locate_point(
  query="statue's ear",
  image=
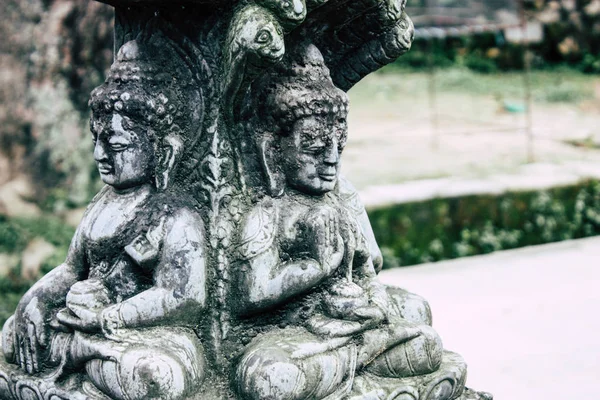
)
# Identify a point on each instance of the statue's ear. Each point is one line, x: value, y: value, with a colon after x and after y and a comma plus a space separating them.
x: 171, y: 148
x: 268, y: 155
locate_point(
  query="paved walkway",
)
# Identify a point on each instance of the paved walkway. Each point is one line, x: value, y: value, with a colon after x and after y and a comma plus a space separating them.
x: 526, y: 321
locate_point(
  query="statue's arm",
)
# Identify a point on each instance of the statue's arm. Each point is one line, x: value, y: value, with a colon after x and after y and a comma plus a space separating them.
x: 267, y: 278
x: 264, y: 281
x: 37, y: 308
x: 179, y: 290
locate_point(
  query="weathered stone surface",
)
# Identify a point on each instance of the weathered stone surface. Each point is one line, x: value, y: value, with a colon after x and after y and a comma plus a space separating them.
x: 226, y: 257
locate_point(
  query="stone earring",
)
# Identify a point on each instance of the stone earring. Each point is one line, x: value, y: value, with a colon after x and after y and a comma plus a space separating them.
x: 274, y: 178
x: 172, y: 146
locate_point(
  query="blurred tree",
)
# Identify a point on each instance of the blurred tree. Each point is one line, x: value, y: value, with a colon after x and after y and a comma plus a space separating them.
x: 572, y: 31
x: 53, y: 53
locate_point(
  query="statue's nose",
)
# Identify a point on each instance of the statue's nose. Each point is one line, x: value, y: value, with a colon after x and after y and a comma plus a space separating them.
x: 332, y: 156
x: 100, y: 152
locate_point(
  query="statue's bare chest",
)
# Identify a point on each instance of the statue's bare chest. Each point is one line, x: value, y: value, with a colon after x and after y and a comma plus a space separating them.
x: 112, y: 223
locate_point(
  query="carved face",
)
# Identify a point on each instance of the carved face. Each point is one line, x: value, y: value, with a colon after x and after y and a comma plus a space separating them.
x: 290, y: 13
x: 268, y: 46
x: 394, y: 9
x: 122, y: 150
x: 311, y: 153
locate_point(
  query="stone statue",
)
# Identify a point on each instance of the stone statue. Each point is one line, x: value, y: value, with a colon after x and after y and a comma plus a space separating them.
x: 305, y: 252
x: 226, y: 257
x: 121, y: 308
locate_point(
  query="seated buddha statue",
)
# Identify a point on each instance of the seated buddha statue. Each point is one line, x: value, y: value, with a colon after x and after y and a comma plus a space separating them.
x: 306, y: 281
x: 122, y: 308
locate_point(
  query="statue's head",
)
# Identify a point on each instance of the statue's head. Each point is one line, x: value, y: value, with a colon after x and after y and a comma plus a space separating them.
x: 301, y: 126
x: 145, y: 113
x: 256, y: 34
x: 290, y: 13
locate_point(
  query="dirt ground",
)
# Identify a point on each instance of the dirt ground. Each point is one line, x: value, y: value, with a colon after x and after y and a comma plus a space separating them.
x: 392, y: 137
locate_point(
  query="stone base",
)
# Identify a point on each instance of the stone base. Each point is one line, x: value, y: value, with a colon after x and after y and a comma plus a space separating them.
x: 17, y: 385
x: 470, y: 394
x: 453, y: 371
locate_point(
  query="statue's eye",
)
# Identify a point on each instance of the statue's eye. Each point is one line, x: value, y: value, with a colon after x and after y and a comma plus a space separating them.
x: 118, y: 145
x: 263, y: 36
x: 128, y: 124
x: 286, y: 5
x: 315, y: 150
x: 316, y: 147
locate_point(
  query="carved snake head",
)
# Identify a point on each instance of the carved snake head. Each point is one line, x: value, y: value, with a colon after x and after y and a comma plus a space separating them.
x: 257, y: 37
x: 290, y: 13
x: 267, y: 45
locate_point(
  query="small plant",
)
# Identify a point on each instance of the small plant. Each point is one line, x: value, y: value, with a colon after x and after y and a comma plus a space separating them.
x: 458, y: 227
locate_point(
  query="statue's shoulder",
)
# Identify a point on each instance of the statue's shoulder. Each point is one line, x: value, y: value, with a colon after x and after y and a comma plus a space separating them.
x: 348, y: 195
x: 186, y: 215
x: 93, y: 207
x: 170, y: 222
x: 259, y: 228
x: 175, y: 213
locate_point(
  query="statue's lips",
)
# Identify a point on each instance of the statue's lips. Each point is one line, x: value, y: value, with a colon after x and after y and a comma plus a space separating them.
x: 275, y: 54
x: 294, y: 19
x: 328, y: 177
x: 105, y: 169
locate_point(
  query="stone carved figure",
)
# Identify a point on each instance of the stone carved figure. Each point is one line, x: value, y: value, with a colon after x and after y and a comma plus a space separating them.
x: 228, y: 258
x: 255, y: 43
x: 290, y: 13
x: 122, y: 307
x: 357, y: 38
x: 307, y: 259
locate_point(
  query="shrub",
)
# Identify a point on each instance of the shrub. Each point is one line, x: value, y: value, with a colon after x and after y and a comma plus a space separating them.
x: 448, y: 228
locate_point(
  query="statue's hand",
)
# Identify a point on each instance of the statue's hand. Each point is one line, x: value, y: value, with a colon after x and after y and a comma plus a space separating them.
x: 370, y: 315
x: 323, y: 224
x: 85, y: 300
x: 85, y: 320
x: 90, y: 294
x: 31, y: 335
x: 326, y: 326
x: 363, y: 319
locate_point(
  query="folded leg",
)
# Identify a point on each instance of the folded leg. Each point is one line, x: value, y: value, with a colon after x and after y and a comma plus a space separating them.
x: 157, y: 363
x: 293, y: 364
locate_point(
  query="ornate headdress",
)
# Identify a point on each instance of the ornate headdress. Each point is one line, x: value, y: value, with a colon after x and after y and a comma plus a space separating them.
x: 151, y: 78
x: 300, y: 86
x: 156, y: 80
